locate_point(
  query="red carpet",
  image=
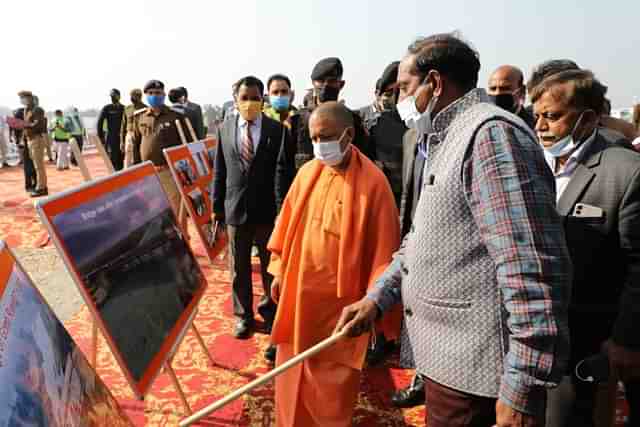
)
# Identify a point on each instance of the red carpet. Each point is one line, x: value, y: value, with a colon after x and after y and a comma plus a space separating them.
x: 236, y: 362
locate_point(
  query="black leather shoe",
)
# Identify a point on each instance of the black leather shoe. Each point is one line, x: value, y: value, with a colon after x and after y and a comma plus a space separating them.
x: 267, y: 309
x: 270, y: 353
x: 40, y: 193
x: 411, y: 396
x: 244, y: 328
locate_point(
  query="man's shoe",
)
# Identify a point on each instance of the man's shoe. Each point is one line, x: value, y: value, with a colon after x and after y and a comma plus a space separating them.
x: 411, y: 396
x: 270, y: 353
x: 244, y: 328
x: 40, y: 193
x: 266, y: 309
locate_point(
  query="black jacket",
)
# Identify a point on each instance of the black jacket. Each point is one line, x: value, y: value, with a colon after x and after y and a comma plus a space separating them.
x: 113, y: 114
x: 247, y: 196
x: 605, y: 250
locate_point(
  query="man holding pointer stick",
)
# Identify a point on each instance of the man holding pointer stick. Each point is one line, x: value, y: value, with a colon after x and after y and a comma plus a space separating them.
x: 335, y: 234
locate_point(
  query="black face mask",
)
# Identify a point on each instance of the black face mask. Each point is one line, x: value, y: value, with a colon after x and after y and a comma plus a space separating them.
x: 506, y: 101
x: 115, y: 99
x: 328, y: 93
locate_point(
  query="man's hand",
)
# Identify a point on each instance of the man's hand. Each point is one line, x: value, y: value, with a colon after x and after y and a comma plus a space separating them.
x: 506, y: 416
x: 624, y: 363
x: 275, y: 290
x: 357, y: 318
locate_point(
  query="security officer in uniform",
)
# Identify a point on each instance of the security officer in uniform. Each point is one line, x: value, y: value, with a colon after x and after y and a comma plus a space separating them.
x: 113, y: 115
x: 128, y: 146
x: 386, y: 129
x: 154, y: 130
x: 35, y: 129
x: 327, y: 84
x: 27, y: 163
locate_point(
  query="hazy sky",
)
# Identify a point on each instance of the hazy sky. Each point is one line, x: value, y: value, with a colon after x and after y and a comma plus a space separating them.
x: 74, y: 51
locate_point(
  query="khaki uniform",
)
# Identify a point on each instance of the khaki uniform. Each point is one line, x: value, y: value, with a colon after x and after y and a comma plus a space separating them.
x: 36, y: 142
x: 154, y: 133
x: 128, y: 146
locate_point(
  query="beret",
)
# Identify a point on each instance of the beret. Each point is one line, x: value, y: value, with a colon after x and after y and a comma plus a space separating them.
x: 153, y: 84
x: 114, y: 92
x: 135, y: 92
x: 327, y: 67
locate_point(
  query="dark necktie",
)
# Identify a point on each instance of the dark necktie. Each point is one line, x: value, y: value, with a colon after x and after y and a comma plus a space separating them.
x: 247, y: 147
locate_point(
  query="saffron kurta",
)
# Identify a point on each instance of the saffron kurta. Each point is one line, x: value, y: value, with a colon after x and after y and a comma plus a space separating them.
x: 336, y: 233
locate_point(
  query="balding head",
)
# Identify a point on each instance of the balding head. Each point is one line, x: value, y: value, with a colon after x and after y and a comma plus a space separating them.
x: 506, y: 79
x: 332, y: 121
x: 335, y: 113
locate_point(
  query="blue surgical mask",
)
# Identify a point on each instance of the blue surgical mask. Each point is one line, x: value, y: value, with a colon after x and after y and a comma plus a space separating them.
x: 279, y: 103
x: 566, y: 145
x: 155, y: 101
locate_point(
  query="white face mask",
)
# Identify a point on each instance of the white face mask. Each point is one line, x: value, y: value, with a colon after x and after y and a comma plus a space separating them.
x: 329, y: 152
x: 421, y: 122
x: 565, y: 146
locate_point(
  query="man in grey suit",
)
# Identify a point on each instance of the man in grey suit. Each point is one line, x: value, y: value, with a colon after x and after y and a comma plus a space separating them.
x: 484, y: 274
x: 598, y: 189
x: 244, y: 197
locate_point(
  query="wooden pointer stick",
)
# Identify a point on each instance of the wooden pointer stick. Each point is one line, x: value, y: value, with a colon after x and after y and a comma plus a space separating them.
x: 263, y: 379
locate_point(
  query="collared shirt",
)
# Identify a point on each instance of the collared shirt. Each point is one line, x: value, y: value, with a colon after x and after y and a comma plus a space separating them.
x: 36, y: 116
x: 256, y: 130
x: 564, y: 174
x: 157, y: 132
x: 509, y: 189
x: 274, y: 114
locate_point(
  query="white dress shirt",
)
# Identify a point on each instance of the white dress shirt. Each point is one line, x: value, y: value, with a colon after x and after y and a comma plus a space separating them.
x: 563, y: 174
x: 256, y: 129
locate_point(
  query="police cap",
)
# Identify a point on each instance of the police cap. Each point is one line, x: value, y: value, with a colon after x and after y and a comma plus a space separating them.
x: 135, y: 92
x: 25, y: 94
x: 328, y: 67
x: 153, y: 84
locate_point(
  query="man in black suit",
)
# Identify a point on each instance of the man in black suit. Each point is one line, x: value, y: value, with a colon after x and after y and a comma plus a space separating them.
x: 244, y: 196
x: 598, y: 190
x: 196, y: 111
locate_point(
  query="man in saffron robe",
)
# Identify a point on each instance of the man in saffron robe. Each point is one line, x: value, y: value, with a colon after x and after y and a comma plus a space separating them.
x: 336, y: 233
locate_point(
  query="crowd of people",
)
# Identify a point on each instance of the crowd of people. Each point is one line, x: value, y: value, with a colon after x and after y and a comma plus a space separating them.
x: 497, y: 242
x: 47, y: 137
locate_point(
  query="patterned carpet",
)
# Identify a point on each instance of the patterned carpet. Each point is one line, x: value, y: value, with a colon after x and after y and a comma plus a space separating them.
x: 236, y: 362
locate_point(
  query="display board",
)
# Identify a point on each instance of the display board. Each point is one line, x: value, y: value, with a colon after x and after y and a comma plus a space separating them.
x: 192, y: 167
x: 46, y: 380
x: 119, y: 239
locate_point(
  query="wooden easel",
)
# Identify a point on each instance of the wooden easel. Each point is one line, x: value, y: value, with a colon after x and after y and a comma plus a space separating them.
x: 45, y: 238
x: 182, y: 212
x: 169, y: 369
x: 103, y: 153
x: 167, y: 365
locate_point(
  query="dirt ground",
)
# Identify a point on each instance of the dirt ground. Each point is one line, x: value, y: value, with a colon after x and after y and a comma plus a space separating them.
x: 52, y: 279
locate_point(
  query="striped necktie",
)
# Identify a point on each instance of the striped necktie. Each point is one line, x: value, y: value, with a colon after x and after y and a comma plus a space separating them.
x: 247, y: 147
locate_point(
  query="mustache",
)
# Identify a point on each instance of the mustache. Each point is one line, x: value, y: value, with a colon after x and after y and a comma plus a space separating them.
x: 543, y: 135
